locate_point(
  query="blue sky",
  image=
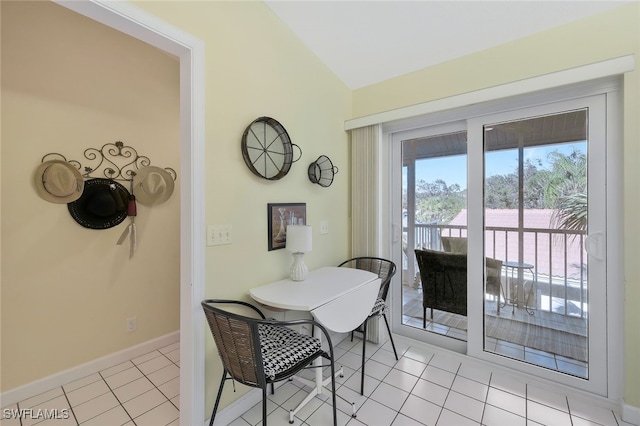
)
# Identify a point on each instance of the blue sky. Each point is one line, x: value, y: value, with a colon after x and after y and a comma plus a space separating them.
x: 453, y: 169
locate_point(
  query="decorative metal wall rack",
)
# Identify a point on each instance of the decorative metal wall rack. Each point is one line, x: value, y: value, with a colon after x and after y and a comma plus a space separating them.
x: 114, y: 161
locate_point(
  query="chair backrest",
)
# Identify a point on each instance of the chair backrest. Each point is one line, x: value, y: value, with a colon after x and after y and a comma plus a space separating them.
x: 237, y: 339
x: 444, y: 280
x: 494, y: 272
x: 385, y: 269
x: 456, y: 264
x: 454, y: 244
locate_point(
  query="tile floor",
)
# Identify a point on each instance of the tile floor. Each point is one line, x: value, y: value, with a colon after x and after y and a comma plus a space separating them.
x: 143, y: 391
x: 413, y: 316
x: 425, y: 387
x: 429, y: 387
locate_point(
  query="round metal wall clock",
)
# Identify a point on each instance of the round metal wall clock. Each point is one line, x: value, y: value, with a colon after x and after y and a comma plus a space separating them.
x: 267, y: 149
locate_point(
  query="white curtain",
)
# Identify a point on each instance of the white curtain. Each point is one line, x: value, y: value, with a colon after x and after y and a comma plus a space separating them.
x: 365, y: 191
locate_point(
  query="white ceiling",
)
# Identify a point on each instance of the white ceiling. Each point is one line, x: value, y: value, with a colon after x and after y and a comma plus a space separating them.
x: 365, y: 42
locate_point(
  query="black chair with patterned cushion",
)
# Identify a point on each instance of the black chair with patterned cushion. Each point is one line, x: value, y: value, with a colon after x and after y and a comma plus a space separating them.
x: 256, y: 351
x: 385, y: 269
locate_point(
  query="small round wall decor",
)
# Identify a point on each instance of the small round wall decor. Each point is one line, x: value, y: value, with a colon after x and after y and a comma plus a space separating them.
x: 267, y: 149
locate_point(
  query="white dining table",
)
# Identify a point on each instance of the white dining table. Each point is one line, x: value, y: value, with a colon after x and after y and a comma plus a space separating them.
x: 338, y: 298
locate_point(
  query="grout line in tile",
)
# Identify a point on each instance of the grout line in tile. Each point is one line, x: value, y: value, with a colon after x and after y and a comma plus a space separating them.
x: 70, y: 406
x: 154, y: 387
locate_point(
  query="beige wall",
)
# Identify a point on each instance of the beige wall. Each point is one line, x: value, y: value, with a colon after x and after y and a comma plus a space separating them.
x: 69, y: 84
x: 605, y: 36
x: 255, y: 66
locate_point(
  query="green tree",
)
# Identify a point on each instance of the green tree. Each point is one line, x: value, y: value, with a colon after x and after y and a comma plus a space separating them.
x: 500, y: 193
x: 561, y: 186
x: 567, y: 190
x: 437, y: 202
x: 543, y: 188
x: 566, y: 177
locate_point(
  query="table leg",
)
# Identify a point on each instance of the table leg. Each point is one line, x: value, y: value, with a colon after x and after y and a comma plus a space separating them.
x: 318, y: 384
x: 531, y: 291
x: 514, y: 288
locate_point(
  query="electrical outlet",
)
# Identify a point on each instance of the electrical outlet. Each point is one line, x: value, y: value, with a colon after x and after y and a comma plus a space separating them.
x: 218, y: 235
x: 132, y: 324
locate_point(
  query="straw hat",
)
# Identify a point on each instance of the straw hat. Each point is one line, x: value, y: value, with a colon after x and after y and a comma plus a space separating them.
x: 103, y: 204
x: 152, y: 185
x: 58, y: 182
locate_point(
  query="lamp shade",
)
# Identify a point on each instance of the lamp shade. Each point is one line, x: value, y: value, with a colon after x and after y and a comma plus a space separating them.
x: 299, y: 238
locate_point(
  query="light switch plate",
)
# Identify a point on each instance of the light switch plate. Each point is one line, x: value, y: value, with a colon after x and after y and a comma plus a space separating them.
x: 218, y: 235
x: 324, y: 227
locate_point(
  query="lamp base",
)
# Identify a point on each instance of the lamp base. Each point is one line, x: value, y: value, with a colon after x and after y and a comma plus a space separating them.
x: 299, y: 270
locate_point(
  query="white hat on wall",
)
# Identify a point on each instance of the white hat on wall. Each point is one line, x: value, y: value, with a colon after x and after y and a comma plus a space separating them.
x: 58, y: 182
x: 152, y: 185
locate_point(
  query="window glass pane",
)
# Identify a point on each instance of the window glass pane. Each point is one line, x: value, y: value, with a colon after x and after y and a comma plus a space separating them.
x: 434, y: 210
x: 535, y: 199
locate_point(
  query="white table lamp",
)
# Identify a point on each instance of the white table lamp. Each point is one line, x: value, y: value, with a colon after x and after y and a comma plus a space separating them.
x: 298, y: 242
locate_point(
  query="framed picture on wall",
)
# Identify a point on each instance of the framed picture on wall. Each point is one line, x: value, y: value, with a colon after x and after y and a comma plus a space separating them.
x: 279, y: 216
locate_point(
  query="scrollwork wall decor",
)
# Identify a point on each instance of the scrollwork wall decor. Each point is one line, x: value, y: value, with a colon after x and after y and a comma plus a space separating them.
x: 115, y: 161
x: 94, y: 197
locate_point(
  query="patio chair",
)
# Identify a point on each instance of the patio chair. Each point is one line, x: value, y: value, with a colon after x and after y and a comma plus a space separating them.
x: 256, y: 351
x: 494, y: 266
x: 493, y: 283
x: 385, y: 269
x: 454, y: 244
x: 444, y: 281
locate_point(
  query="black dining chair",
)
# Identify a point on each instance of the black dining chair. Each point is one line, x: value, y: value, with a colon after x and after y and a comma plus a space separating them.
x: 385, y: 269
x: 256, y: 351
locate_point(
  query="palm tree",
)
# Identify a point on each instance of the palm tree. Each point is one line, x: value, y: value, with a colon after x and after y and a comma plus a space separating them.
x: 566, y: 187
x: 567, y: 176
x: 572, y: 212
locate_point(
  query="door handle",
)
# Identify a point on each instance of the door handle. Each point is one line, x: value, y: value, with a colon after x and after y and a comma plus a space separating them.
x: 594, y: 245
x: 395, y: 233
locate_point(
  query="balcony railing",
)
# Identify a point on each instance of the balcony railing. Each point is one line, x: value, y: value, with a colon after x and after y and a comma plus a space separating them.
x: 558, y: 259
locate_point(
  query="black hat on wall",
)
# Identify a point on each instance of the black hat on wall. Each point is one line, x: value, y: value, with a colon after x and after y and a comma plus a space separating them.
x: 102, y: 205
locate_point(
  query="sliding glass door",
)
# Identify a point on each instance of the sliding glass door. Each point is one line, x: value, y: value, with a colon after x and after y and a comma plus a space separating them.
x: 543, y: 186
x: 501, y: 215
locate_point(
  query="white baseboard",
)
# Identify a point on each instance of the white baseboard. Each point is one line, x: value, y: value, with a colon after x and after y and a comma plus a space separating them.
x: 50, y: 382
x: 630, y: 414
